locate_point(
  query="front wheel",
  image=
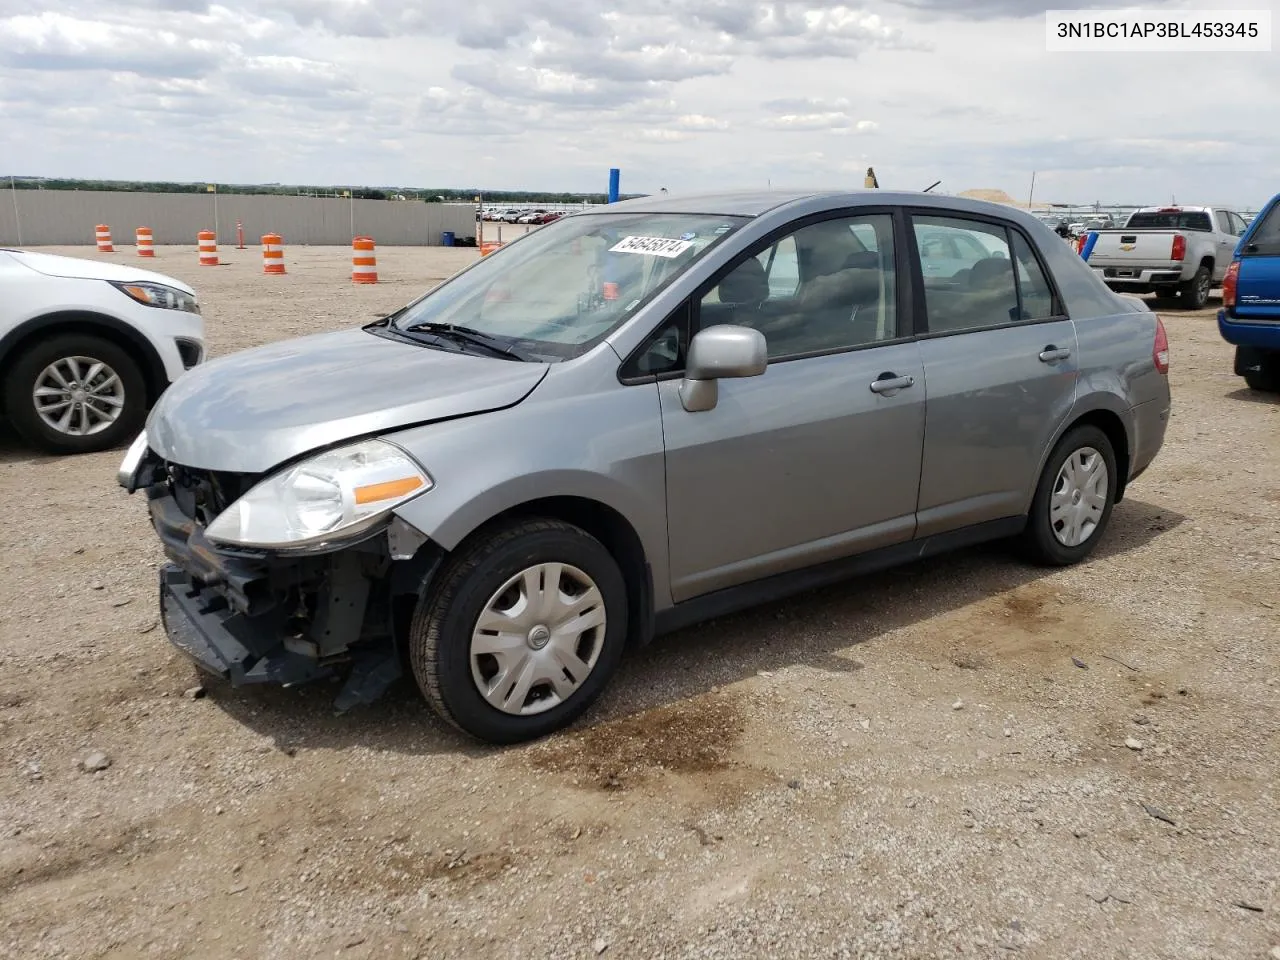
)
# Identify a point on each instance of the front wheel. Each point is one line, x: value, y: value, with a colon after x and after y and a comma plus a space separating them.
x: 1073, y: 499
x: 75, y: 393
x: 521, y: 632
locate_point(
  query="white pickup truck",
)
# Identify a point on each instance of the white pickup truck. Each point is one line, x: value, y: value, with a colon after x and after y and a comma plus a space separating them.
x: 1168, y: 251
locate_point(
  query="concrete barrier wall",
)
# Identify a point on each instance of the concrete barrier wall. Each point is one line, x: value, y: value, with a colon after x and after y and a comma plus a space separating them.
x: 65, y: 217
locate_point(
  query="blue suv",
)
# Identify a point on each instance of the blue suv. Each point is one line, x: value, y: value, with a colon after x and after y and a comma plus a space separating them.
x: 1250, y: 314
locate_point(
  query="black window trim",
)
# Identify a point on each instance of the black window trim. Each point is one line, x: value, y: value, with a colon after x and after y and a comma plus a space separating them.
x: 903, y: 293
x: 922, y: 319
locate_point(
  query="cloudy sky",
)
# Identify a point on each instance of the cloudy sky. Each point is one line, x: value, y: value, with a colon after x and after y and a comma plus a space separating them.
x: 686, y: 94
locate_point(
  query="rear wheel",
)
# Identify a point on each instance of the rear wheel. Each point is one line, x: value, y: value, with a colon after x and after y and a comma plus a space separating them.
x: 1073, y: 500
x: 521, y: 632
x: 1195, y: 292
x: 75, y: 393
x: 1265, y: 380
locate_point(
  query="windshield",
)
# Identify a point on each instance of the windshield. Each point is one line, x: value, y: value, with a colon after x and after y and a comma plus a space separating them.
x: 1170, y: 220
x: 557, y: 291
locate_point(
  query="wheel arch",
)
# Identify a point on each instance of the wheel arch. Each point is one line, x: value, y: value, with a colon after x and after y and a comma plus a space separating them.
x: 109, y: 328
x: 1113, y: 425
x: 605, y: 523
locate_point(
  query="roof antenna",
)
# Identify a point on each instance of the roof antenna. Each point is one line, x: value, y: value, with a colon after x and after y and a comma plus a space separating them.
x: 931, y: 186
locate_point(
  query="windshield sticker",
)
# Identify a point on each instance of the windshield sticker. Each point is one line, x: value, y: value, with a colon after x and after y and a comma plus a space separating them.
x: 722, y: 229
x: 688, y: 236
x: 652, y: 246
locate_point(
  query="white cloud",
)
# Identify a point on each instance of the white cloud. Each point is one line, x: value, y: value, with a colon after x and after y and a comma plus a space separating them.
x: 689, y: 95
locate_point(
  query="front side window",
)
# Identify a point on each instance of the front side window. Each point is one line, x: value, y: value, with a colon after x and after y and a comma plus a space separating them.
x: 825, y: 286
x: 558, y: 291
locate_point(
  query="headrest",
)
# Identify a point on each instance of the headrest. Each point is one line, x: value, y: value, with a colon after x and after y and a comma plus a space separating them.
x: 747, y: 284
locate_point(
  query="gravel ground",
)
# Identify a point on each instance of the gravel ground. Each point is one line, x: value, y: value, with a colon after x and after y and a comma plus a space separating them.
x: 909, y: 765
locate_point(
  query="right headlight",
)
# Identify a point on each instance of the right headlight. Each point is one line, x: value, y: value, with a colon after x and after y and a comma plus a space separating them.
x: 158, y: 295
x: 328, y: 498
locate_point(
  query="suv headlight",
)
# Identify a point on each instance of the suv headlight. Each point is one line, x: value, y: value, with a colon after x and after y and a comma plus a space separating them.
x: 159, y: 295
x: 332, y: 497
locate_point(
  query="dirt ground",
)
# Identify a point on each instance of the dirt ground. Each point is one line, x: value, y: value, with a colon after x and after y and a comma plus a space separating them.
x: 908, y: 765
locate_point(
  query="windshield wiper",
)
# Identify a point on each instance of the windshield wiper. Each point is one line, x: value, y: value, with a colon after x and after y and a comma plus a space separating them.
x: 467, y: 335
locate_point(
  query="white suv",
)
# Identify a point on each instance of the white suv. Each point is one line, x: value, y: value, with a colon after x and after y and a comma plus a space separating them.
x: 87, y: 347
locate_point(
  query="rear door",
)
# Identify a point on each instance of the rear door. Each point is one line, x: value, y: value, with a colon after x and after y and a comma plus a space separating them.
x: 1258, y: 288
x: 1000, y: 368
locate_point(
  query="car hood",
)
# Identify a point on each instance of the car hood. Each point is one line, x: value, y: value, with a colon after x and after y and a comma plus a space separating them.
x: 249, y: 411
x: 74, y: 268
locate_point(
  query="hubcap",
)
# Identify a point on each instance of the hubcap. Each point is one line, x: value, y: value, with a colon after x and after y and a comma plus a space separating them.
x: 1079, y: 497
x: 78, y: 396
x: 538, y: 639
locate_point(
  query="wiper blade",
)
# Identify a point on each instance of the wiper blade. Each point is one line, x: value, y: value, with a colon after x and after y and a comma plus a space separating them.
x: 474, y: 338
x: 433, y: 326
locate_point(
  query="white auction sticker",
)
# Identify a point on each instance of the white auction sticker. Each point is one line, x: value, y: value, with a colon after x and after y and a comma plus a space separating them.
x: 654, y: 246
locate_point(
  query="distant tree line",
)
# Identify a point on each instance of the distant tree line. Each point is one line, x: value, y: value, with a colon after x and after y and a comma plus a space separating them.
x: 423, y: 194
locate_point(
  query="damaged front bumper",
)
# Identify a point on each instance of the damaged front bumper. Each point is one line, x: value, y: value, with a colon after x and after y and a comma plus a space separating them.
x: 255, y: 617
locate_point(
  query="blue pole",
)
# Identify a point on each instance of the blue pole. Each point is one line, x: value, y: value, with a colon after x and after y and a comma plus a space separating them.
x: 1089, y: 242
x: 614, y: 176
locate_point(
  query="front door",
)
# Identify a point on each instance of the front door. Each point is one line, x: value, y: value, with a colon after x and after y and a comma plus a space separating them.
x: 808, y: 462
x: 1001, y: 365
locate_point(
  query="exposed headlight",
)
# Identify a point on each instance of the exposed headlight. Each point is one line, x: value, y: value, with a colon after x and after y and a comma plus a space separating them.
x: 331, y: 497
x: 127, y: 475
x: 158, y: 295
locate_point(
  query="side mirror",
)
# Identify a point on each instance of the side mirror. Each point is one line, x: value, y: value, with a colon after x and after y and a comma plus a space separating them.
x: 716, y: 353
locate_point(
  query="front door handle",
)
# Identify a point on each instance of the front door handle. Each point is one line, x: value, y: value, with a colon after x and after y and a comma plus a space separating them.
x: 1052, y: 354
x: 891, y: 383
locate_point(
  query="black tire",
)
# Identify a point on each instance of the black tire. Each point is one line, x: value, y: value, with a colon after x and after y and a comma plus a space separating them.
x: 1039, y: 543
x: 1194, y: 294
x: 1266, y: 380
x: 21, y: 379
x: 440, y: 634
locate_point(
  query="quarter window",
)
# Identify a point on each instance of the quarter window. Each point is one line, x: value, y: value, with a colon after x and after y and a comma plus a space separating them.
x: 1037, y: 295
x: 827, y: 286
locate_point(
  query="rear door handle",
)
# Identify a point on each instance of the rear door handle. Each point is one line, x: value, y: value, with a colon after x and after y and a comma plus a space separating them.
x: 1052, y: 354
x: 889, y: 383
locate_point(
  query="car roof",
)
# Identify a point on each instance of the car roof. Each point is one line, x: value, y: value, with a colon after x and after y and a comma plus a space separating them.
x: 754, y: 203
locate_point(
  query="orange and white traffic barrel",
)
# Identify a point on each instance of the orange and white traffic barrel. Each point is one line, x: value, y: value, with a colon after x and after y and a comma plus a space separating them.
x: 145, y: 241
x: 489, y: 246
x: 208, y: 241
x: 103, y: 233
x: 272, y: 253
x: 364, y: 264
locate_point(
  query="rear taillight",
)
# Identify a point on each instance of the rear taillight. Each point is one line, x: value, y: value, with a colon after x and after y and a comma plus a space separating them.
x: 1229, y: 283
x: 1179, y: 247
x: 1160, y: 349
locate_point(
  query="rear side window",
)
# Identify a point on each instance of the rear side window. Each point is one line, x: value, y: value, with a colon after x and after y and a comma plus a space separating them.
x: 1171, y: 220
x: 1265, y: 241
x: 968, y: 274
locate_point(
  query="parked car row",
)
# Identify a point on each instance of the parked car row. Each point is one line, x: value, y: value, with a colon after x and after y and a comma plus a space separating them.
x: 536, y: 217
